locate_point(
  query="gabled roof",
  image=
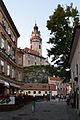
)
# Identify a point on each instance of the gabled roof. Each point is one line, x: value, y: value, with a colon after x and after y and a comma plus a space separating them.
x: 55, y: 78
x: 33, y: 52
x: 9, y: 17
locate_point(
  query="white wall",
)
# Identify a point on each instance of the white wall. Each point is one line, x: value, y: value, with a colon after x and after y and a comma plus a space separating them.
x: 74, y: 62
x: 37, y: 93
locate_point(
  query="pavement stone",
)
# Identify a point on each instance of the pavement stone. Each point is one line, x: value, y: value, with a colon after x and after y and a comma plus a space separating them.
x: 53, y: 110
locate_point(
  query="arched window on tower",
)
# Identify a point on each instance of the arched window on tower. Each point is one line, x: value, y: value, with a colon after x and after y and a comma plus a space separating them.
x: 31, y: 46
x: 39, y: 46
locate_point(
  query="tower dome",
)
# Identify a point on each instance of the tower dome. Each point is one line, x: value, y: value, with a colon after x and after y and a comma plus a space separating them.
x: 35, y: 28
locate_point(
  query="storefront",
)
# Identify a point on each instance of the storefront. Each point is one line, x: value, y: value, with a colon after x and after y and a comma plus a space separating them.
x: 14, y: 88
x: 4, y: 88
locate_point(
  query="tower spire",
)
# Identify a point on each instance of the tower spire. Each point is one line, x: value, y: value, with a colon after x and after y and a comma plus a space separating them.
x: 35, y: 23
x: 36, y: 41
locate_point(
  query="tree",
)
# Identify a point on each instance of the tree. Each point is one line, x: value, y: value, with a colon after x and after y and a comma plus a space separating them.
x: 61, y: 24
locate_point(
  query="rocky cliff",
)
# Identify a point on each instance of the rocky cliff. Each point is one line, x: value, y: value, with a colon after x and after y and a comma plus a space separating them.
x: 36, y: 74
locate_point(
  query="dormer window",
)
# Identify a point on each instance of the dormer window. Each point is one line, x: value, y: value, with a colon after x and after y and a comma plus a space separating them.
x: 3, y: 22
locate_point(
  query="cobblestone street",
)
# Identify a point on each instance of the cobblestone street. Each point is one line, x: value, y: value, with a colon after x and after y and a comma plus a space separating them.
x: 44, y: 111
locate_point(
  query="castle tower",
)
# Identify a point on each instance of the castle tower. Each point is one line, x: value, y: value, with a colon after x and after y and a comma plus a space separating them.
x: 36, y: 41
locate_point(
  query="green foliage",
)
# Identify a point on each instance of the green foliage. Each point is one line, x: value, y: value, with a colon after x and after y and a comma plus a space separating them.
x: 61, y: 24
x: 38, y: 72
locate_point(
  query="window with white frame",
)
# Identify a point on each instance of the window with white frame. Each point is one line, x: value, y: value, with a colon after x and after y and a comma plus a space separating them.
x: 8, y: 70
x: 35, y: 57
x: 2, y: 66
x: 28, y: 61
x: 20, y: 60
x: 77, y: 70
x: 13, y: 37
x: 13, y: 73
x: 13, y: 53
x: 9, y: 30
x: 40, y: 59
x: 3, y: 21
x: 2, y: 42
x: 9, y: 48
x: 19, y: 75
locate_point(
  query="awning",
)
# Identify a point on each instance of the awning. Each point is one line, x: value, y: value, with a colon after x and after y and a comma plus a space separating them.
x: 9, y: 84
x: 4, y: 83
x: 14, y: 85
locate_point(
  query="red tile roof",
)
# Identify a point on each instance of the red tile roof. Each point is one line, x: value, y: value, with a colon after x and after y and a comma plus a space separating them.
x: 34, y: 52
x: 38, y: 86
x: 55, y: 78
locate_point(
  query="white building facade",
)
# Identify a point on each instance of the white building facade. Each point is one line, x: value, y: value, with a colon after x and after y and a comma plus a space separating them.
x: 75, y: 67
x: 33, y: 55
x: 39, y: 89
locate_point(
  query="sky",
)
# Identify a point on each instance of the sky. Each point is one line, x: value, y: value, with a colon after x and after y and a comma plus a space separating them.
x: 24, y: 13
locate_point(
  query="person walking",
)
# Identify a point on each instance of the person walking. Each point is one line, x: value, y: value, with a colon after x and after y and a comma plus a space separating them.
x: 33, y: 104
x: 72, y: 100
x: 68, y: 99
